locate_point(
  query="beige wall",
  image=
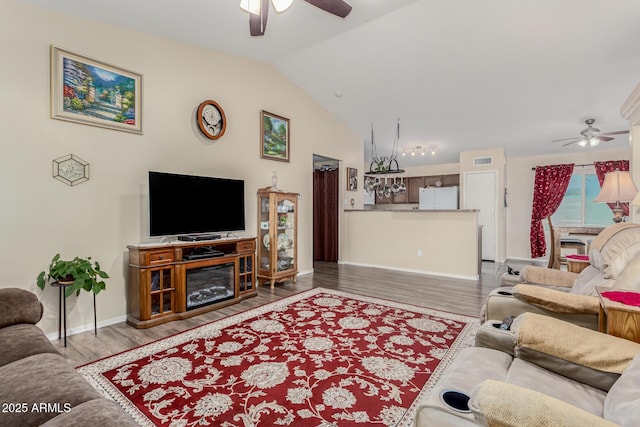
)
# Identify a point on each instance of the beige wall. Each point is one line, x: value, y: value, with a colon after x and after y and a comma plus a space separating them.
x: 41, y: 216
x: 440, y: 169
x: 447, y: 241
x: 520, y: 191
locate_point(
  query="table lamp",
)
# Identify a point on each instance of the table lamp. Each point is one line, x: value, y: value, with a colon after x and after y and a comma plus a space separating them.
x: 617, y: 188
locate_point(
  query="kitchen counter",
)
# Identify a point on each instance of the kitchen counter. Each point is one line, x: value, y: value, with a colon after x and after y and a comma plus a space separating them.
x: 437, y: 242
x: 386, y: 209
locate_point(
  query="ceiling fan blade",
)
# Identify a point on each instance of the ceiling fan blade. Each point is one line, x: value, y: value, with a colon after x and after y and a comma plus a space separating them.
x: 258, y: 23
x: 566, y: 139
x: 620, y: 132
x: 335, y: 7
x: 604, y: 138
x: 569, y: 143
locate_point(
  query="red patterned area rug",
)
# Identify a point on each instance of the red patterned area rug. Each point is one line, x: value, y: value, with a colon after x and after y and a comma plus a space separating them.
x: 317, y: 358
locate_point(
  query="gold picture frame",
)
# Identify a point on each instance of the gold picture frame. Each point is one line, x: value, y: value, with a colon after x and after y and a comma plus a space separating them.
x: 274, y: 137
x: 94, y: 93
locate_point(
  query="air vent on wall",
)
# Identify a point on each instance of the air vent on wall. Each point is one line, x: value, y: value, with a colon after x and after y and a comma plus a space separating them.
x: 483, y: 161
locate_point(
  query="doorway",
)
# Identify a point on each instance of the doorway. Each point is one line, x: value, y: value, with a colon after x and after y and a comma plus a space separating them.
x: 480, y: 192
x: 326, y: 179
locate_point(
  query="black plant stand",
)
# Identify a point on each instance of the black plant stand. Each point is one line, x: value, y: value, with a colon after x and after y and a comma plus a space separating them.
x: 62, y: 310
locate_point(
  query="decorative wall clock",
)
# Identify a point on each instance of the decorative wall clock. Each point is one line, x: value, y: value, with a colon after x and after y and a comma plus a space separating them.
x: 211, y: 119
x: 71, y: 170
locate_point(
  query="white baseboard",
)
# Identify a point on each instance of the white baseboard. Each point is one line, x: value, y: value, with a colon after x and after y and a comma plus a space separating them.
x: 410, y: 270
x: 86, y: 328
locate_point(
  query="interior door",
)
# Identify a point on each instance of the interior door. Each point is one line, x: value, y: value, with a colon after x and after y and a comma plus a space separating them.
x: 325, y: 215
x: 480, y: 193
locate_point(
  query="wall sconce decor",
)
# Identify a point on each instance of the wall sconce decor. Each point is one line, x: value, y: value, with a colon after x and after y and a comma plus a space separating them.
x: 71, y: 170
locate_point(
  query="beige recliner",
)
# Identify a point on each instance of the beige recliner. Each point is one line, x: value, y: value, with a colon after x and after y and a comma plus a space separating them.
x: 556, y: 374
x: 614, y: 262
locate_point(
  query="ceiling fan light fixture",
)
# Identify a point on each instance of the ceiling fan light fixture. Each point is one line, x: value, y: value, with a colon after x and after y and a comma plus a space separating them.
x: 251, y: 6
x: 582, y: 142
x: 281, y: 5
x: 593, y: 141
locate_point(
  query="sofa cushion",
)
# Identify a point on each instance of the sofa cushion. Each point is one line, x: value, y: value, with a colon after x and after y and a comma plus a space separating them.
x: 499, y: 306
x: 557, y: 301
x: 97, y: 412
x: 584, y: 355
x: 587, y: 281
x: 500, y: 404
x: 618, y: 251
x: 622, y: 404
x: 630, y: 278
x: 19, y: 306
x: 471, y: 366
x: 528, y: 375
x: 42, y: 379
x: 23, y: 340
x: 547, y: 276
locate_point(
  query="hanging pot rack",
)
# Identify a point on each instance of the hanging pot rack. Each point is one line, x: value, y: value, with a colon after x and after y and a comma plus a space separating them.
x: 384, y: 165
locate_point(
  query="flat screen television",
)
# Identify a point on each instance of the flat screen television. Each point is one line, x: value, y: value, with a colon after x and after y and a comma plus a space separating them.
x: 188, y: 204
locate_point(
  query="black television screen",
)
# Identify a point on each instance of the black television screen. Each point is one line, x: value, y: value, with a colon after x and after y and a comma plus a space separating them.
x: 188, y: 204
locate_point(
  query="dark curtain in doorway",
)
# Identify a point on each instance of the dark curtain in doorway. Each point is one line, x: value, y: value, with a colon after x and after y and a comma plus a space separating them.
x: 325, y: 215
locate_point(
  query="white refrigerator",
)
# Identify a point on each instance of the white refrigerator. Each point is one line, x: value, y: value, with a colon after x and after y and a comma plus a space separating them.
x: 439, y: 198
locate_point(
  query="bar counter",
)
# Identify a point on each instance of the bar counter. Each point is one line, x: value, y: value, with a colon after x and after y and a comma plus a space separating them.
x: 435, y: 242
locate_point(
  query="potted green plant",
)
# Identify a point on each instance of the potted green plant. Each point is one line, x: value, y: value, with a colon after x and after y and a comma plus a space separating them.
x: 81, y: 273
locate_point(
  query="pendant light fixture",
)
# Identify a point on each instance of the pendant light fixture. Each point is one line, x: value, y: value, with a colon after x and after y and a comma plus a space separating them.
x: 253, y: 6
x: 385, y: 164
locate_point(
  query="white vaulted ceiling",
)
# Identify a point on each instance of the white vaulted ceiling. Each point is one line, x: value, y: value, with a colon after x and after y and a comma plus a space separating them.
x: 460, y: 74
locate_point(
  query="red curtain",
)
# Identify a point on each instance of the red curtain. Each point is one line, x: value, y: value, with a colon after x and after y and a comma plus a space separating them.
x: 602, y: 168
x: 551, y: 183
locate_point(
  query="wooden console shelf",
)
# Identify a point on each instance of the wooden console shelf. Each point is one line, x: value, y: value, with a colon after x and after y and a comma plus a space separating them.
x: 159, y: 276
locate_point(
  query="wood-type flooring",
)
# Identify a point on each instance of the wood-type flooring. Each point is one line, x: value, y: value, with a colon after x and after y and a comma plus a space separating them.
x: 453, y: 295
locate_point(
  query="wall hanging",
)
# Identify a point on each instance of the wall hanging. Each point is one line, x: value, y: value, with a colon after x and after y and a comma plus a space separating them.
x: 274, y: 143
x: 71, y: 170
x: 93, y: 93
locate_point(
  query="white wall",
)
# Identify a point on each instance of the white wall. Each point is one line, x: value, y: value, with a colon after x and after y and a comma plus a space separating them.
x: 41, y: 216
x: 520, y: 191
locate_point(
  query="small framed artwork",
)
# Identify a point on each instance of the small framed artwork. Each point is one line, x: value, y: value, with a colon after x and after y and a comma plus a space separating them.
x: 274, y: 143
x: 352, y: 179
x: 93, y: 93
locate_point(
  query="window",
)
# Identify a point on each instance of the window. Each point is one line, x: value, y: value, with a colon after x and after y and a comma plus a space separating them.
x: 577, y: 207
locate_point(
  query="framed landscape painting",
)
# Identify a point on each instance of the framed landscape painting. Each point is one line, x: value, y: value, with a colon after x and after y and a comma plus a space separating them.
x: 93, y: 93
x: 274, y: 143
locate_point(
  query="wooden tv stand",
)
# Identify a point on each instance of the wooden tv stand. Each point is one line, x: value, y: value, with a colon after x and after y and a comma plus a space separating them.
x: 157, y: 286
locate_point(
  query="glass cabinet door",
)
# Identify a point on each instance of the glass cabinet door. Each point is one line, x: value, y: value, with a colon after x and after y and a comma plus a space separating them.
x: 285, y: 235
x: 264, y: 236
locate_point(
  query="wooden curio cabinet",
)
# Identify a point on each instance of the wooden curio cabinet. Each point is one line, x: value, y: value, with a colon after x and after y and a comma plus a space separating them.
x: 277, y: 236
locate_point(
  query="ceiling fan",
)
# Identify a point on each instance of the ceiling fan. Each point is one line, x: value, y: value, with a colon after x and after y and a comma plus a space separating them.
x: 591, y: 136
x: 259, y: 11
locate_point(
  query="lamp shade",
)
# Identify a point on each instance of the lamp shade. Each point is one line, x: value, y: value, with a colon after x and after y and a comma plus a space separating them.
x: 281, y: 5
x: 617, y: 187
x: 251, y: 6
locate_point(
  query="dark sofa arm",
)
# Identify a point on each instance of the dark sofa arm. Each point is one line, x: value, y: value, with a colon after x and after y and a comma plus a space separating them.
x: 19, y: 306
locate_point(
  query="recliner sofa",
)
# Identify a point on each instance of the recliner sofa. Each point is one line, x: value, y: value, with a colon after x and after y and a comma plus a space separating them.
x: 37, y: 385
x: 614, y: 262
x: 544, y: 372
